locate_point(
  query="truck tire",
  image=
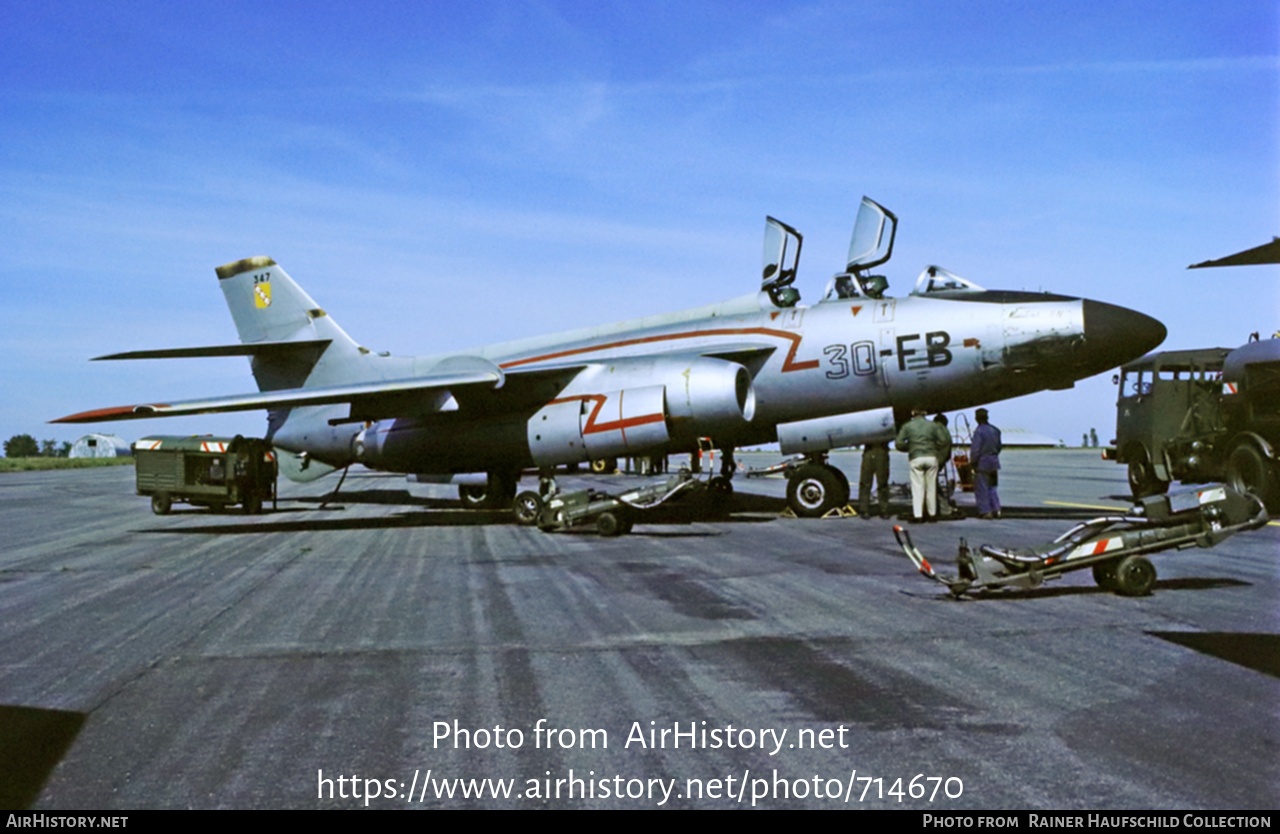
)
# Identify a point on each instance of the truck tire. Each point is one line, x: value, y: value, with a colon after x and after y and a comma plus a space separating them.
x: 1142, y: 476
x: 161, y: 503
x: 1249, y: 471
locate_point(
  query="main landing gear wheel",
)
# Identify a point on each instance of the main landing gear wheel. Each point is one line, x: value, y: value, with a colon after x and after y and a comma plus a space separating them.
x: 816, y: 489
x: 497, y: 494
x: 604, y: 466
x: 527, y: 507
x: 473, y: 496
x: 1142, y: 476
x: 1134, y: 576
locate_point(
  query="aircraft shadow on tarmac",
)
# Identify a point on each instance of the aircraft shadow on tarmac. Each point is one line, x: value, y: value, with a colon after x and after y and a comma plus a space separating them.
x: 746, y: 509
x: 34, y: 740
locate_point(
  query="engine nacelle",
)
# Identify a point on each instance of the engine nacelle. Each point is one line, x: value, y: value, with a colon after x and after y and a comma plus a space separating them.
x: 580, y: 427
x: 710, y: 394
x: 367, y: 444
x: 824, y: 433
x: 308, y: 432
x: 694, y: 397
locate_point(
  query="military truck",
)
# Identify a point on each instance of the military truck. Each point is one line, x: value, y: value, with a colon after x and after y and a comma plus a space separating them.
x: 1202, y: 415
x: 207, y: 471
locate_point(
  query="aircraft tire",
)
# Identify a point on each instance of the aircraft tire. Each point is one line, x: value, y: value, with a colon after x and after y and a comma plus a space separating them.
x: 814, y: 490
x: 1142, y: 476
x: 161, y: 503
x: 604, y: 466
x: 473, y: 496
x: 1104, y: 573
x: 1134, y: 576
x: 497, y: 494
x: 1249, y: 471
x: 844, y: 485
x: 527, y: 507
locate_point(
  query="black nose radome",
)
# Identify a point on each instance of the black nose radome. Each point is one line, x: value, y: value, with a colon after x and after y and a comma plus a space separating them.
x: 1115, y: 335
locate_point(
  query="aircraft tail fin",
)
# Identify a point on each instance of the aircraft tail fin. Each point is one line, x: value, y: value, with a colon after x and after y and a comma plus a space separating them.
x: 268, y: 306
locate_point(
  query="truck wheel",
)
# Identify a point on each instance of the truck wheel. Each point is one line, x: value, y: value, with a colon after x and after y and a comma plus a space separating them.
x: 1134, y: 576
x: 814, y: 490
x: 527, y: 507
x: 604, y: 466
x: 1142, y: 476
x: 1248, y: 471
x: 1104, y: 573
x: 161, y: 503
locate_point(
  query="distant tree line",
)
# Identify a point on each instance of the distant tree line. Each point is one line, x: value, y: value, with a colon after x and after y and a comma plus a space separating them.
x: 26, y: 446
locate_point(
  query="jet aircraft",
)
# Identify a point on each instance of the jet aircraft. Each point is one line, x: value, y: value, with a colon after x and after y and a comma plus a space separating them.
x: 758, y: 369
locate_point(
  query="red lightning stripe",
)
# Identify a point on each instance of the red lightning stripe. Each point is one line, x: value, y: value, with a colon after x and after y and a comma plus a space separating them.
x: 592, y: 427
x: 788, y: 364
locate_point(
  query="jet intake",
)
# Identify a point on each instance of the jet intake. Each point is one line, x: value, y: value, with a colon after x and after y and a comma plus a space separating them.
x: 839, y: 430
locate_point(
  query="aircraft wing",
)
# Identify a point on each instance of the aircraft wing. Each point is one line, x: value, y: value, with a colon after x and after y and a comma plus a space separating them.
x: 291, y: 397
x: 1267, y: 253
x: 243, y: 349
x: 370, y: 400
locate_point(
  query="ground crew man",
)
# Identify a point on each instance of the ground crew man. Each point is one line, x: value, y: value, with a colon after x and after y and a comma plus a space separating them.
x: 875, y: 465
x: 946, y: 486
x: 925, y: 443
x: 984, y: 454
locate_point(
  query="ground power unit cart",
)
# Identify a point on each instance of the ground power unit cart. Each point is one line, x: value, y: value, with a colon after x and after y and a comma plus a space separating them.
x: 206, y: 471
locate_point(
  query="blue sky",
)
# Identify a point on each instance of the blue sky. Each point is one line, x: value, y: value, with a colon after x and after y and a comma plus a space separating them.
x: 440, y: 176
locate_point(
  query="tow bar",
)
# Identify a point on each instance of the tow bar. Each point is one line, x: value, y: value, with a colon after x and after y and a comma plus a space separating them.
x: 1115, y: 547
